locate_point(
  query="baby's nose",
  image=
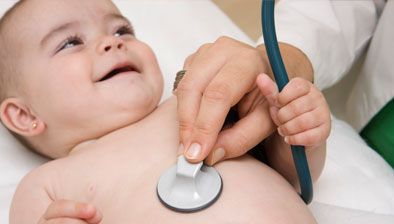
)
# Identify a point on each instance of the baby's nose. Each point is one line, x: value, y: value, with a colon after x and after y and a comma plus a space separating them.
x: 110, y: 43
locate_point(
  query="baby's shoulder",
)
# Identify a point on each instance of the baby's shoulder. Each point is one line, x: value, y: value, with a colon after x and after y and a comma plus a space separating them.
x: 33, y: 194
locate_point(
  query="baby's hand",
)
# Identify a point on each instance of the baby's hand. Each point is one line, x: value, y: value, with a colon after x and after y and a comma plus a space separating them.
x: 70, y: 212
x: 300, y: 111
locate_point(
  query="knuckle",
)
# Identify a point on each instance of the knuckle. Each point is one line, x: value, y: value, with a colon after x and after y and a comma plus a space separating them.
x: 310, y: 138
x: 185, y: 126
x: 281, y: 116
x: 203, y: 48
x: 282, y: 98
x: 241, y: 144
x: 303, y: 123
x: 188, y: 61
x: 223, y: 40
x: 251, y: 57
x: 295, y: 108
x: 300, y: 85
x: 217, y: 92
x: 318, y: 96
x: 285, y: 129
x: 252, y: 54
x: 205, y: 129
x: 185, y: 85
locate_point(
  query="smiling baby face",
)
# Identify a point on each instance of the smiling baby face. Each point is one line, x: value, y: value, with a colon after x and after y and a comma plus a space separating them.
x: 82, y: 73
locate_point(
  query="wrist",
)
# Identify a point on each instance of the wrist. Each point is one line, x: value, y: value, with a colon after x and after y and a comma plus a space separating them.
x: 296, y: 62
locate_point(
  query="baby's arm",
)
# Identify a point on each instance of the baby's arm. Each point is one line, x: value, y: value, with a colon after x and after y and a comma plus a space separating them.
x: 303, y: 118
x: 32, y: 204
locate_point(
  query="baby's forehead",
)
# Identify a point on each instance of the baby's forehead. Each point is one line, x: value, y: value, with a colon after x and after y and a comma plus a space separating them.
x: 34, y: 18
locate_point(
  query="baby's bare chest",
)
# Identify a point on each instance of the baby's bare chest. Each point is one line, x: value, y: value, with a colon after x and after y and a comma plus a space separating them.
x: 122, y: 185
x: 123, y: 188
x: 120, y: 174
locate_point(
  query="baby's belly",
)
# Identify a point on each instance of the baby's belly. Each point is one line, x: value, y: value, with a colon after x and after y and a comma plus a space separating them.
x: 252, y: 193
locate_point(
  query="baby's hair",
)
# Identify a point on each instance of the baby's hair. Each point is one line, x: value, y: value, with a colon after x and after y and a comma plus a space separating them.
x: 8, y: 68
x: 7, y: 64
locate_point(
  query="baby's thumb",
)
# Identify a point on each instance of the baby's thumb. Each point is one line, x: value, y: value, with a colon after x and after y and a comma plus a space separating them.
x: 270, y: 91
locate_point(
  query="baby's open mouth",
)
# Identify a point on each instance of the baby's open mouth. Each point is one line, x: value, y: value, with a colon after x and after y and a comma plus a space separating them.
x: 117, y: 71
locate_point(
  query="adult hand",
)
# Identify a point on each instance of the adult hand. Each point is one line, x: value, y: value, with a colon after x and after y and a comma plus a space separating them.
x: 70, y: 212
x: 219, y: 76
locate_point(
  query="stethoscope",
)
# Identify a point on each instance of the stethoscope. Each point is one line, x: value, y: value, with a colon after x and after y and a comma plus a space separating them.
x: 188, y: 187
x: 281, y: 78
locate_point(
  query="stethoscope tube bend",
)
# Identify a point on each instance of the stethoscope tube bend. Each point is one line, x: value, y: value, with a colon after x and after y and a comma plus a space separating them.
x: 281, y: 78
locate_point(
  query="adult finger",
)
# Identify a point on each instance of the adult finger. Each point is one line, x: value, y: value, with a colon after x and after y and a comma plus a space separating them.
x: 201, y: 50
x: 244, y: 135
x: 191, y: 88
x: 224, y: 91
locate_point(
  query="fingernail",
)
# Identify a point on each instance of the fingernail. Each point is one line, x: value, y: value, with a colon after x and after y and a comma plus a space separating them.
x: 193, y: 151
x: 181, y: 148
x: 287, y: 139
x: 218, y: 155
x: 280, y: 131
x: 174, y: 92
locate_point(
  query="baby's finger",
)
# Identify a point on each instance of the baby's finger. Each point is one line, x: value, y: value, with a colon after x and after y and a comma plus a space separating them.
x: 297, y: 107
x: 96, y: 219
x: 268, y: 87
x: 296, y: 88
x: 70, y: 209
x: 310, y: 137
x: 270, y: 91
x: 303, y: 122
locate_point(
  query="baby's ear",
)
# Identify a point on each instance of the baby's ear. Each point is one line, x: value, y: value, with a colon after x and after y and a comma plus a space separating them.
x: 17, y: 117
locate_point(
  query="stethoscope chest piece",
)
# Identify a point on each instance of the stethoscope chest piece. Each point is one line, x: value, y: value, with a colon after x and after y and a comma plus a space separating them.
x: 188, y: 187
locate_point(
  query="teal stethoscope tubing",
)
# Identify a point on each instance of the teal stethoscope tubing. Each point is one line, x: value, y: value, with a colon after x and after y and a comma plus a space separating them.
x: 278, y: 68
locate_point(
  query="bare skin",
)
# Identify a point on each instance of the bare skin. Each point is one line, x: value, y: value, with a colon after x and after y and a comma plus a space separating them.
x: 220, y: 75
x: 118, y: 174
x: 101, y: 122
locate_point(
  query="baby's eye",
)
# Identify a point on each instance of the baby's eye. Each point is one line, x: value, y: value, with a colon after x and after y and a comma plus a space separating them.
x: 124, y: 30
x: 71, y: 41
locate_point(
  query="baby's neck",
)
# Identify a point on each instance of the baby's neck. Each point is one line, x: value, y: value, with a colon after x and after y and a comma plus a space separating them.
x: 80, y: 146
x: 153, y: 118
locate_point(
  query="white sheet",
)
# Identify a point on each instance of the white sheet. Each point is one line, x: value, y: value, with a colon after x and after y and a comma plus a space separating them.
x: 329, y: 214
x: 355, y: 177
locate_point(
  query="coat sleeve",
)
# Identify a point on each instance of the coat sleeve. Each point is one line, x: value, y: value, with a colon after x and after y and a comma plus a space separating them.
x: 332, y: 33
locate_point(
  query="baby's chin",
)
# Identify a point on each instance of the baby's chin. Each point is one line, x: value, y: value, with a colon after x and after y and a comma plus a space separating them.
x: 140, y: 109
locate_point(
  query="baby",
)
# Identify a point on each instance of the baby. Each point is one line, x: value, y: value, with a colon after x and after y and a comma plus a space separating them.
x: 78, y: 87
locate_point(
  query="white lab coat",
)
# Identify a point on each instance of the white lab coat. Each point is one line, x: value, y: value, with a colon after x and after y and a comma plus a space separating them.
x: 334, y: 34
